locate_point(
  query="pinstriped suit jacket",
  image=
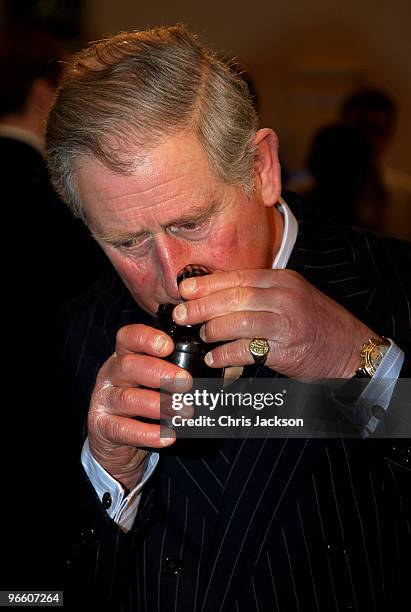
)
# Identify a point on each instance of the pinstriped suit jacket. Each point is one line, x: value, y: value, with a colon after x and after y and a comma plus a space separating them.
x: 244, y: 525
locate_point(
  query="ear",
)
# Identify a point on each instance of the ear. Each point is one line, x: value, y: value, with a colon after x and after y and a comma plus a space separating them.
x: 267, y: 173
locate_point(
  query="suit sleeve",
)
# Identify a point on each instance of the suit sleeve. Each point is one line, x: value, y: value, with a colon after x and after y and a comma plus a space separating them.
x: 99, y: 555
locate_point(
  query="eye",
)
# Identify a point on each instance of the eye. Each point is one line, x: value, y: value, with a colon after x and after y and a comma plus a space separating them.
x: 136, y: 243
x: 128, y: 244
x: 190, y: 226
x: 192, y: 230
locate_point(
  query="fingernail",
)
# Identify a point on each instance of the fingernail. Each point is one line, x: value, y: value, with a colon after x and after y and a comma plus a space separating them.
x: 202, y: 333
x: 189, y: 285
x: 159, y: 342
x: 167, y: 441
x: 186, y: 412
x: 183, y: 374
x: 209, y: 359
x: 167, y: 435
x: 180, y: 313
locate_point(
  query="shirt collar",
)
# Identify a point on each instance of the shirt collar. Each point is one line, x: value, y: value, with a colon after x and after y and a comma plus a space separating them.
x: 22, y: 135
x: 289, y: 236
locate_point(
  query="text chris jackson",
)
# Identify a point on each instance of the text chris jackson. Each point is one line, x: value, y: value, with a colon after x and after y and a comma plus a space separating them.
x: 229, y: 421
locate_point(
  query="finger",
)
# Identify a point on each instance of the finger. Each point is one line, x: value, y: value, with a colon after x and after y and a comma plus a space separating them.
x: 245, y: 325
x: 201, y: 286
x: 224, y: 302
x: 143, y: 339
x: 235, y: 353
x: 170, y: 405
x: 125, y: 431
x: 130, y: 370
x: 132, y: 402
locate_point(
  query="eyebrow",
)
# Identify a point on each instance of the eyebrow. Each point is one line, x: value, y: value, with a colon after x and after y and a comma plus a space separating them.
x: 114, y: 237
x: 118, y: 237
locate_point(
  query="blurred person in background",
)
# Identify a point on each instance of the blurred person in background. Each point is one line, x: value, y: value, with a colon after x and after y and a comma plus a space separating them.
x: 31, y: 63
x: 347, y: 178
x: 385, y: 203
x: 338, y: 161
x: 48, y: 258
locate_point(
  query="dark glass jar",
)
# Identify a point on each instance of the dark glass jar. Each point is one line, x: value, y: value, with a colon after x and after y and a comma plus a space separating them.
x: 189, y: 348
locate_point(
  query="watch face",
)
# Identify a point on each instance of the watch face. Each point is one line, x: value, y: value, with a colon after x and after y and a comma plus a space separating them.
x: 375, y: 356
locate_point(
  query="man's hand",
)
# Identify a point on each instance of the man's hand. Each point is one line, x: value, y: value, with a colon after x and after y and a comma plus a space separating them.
x: 118, y: 439
x: 310, y: 335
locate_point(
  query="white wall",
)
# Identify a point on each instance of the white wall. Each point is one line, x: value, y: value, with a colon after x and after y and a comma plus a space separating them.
x: 304, y: 56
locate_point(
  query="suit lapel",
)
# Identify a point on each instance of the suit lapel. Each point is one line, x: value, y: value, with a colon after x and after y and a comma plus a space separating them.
x: 263, y: 475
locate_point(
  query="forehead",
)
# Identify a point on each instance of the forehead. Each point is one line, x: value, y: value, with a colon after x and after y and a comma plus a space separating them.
x: 174, y: 177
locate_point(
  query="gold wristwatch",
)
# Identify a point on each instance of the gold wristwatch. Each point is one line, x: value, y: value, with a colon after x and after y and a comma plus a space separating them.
x: 372, y: 353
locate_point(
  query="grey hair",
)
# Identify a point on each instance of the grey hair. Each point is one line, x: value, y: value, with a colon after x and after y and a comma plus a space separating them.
x: 126, y: 93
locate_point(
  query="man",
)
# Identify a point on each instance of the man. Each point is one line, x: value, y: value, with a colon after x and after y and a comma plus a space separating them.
x: 153, y: 141
x: 339, y: 155
x: 385, y: 204
x: 42, y: 244
x: 31, y: 63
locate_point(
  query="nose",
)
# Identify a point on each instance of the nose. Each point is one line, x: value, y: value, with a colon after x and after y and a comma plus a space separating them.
x: 172, y: 256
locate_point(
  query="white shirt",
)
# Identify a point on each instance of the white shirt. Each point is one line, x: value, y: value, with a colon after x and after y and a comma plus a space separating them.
x: 124, y: 508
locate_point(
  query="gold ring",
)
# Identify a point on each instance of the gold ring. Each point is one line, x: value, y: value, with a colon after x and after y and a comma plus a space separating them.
x: 259, y: 349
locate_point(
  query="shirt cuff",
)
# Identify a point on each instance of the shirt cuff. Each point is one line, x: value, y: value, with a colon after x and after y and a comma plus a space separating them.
x: 123, y: 508
x: 381, y: 387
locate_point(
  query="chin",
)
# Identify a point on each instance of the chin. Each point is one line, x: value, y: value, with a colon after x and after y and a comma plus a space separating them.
x: 150, y: 308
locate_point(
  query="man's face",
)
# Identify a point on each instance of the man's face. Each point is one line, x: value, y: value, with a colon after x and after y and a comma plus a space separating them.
x: 171, y: 212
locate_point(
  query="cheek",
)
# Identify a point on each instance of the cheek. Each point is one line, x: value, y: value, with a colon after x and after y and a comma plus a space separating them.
x: 138, y: 277
x: 255, y: 236
x: 220, y: 252
x: 239, y: 246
